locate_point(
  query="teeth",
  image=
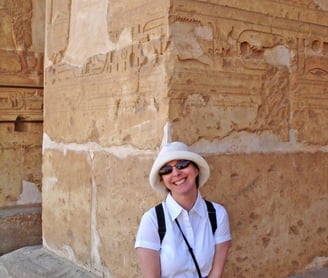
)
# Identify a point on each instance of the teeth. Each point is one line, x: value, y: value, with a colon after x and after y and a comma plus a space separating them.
x: 179, y: 182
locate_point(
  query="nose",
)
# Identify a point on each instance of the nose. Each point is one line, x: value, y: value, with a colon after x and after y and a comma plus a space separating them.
x: 175, y: 171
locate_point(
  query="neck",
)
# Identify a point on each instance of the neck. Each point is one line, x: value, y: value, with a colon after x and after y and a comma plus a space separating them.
x: 186, y: 201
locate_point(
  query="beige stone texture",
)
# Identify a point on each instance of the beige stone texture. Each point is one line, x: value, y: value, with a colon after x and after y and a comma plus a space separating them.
x: 20, y: 226
x: 117, y: 222
x: 243, y: 82
x: 66, y: 204
x: 21, y: 99
x: 121, y: 74
x: 22, y: 42
x: 246, y: 70
x: 20, y: 161
x: 26, y: 103
x: 277, y: 210
x: 22, y: 38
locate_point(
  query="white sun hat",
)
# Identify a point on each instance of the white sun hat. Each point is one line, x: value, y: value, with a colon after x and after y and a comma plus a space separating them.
x: 176, y: 151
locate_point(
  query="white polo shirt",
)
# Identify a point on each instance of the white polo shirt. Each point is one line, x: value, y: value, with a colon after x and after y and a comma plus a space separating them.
x: 176, y: 260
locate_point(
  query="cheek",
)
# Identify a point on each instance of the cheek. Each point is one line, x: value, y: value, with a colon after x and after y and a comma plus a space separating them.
x: 195, y: 172
x: 165, y: 179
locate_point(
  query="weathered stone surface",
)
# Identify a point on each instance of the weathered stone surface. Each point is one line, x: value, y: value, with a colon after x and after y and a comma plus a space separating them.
x: 19, y: 226
x: 116, y: 89
x: 67, y: 203
x: 122, y: 116
x: 22, y: 42
x: 244, y: 82
x: 38, y: 262
x: 26, y: 103
x: 20, y: 160
x: 278, y: 211
x: 21, y: 115
x: 117, y: 222
x: 252, y: 71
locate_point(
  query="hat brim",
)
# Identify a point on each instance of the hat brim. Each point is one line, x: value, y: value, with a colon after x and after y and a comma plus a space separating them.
x: 155, y: 179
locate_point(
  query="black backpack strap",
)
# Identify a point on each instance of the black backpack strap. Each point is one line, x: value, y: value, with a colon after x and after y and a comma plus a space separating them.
x: 160, y: 221
x: 211, y: 215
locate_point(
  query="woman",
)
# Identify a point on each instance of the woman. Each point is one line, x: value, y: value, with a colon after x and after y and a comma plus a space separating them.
x: 179, y: 172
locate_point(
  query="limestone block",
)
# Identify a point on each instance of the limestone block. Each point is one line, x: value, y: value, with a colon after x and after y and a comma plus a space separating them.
x: 122, y: 194
x: 22, y: 42
x: 114, y: 90
x: 10, y: 178
x: 248, y: 67
x: 20, y: 160
x: 67, y: 204
x: 91, y: 112
x: 21, y: 116
x: 102, y: 27
x: 20, y: 226
x: 278, y: 211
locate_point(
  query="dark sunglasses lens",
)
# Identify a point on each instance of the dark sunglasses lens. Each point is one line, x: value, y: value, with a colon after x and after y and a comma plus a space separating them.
x: 167, y: 169
x: 182, y: 164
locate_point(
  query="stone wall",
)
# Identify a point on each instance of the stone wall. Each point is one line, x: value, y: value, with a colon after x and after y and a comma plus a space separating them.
x: 21, y: 121
x: 243, y: 82
x: 21, y: 100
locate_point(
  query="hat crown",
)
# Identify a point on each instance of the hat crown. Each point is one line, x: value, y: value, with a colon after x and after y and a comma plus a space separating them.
x: 173, y: 147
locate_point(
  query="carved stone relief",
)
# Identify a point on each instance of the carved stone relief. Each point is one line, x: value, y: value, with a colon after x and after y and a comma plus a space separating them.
x: 21, y: 100
x: 26, y: 103
x: 137, y: 54
x: 212, y: 70
x: 21, y: 42
x: 58, y: 19
x: 279, y: 53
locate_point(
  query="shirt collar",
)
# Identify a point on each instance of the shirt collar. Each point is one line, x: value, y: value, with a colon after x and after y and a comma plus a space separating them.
x: 175, y: 209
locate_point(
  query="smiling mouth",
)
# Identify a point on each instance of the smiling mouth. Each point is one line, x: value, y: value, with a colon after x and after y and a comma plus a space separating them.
x: 179, y: 181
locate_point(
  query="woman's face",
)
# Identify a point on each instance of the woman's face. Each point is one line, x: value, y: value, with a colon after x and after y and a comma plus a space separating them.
x: 181, y: 181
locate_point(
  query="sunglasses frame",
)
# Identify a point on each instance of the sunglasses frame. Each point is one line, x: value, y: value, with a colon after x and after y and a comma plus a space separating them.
x: 180, y: 165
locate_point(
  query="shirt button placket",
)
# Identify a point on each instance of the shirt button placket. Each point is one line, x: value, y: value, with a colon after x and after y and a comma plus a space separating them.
x: 189, y: 234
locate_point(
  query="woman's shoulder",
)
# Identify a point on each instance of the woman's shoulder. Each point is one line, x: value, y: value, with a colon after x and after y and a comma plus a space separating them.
x: 219, y: 208
x: 150, y: 214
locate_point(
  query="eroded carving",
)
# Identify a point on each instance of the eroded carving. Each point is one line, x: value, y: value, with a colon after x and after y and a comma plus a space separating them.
x: 148, y: 43
x: 27, y: 103
x: 21, y: 49
x: 58, y: 29
x: 21, y: 15
x: 284, y: 58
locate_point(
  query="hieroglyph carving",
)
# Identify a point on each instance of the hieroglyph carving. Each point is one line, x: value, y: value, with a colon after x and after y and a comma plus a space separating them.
x: 17, y: 102
x: 21, y: 42
x: 148, y: 42
x: 272, y: 65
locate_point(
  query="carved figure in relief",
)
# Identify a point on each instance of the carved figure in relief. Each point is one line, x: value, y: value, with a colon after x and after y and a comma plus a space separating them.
x: 21, y: 28
x: 192, y: 40
x: 163, y: 238
x: 253, y: 46
x: 59, y: 20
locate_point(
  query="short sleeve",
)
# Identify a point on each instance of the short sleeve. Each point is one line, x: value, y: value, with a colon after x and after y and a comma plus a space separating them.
x: 147, y: 235
x: 222, y: 232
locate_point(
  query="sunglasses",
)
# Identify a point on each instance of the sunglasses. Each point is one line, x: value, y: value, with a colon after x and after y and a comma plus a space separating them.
x: 167, y: 169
